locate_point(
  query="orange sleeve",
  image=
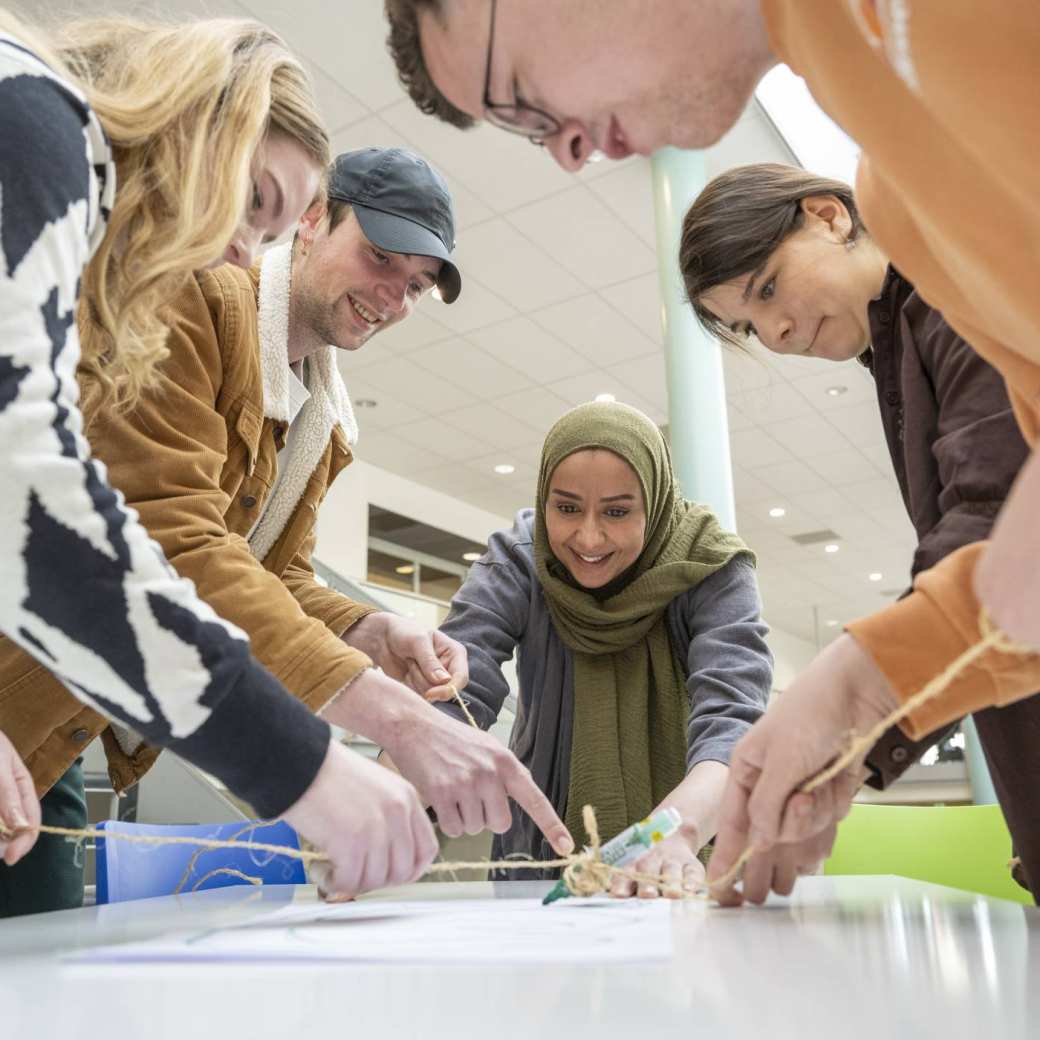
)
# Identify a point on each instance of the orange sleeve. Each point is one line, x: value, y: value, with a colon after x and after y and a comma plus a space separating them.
x: 913, y: 640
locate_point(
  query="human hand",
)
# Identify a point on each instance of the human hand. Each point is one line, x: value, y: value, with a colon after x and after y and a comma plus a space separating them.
x: 19, y: 806
x: 842, y: 692
x: 674, y: 860
x: 778, y: 868
x: 466, y: 775
x: 369, y: 822
x: 425, y: 660
x: 1007, y: 577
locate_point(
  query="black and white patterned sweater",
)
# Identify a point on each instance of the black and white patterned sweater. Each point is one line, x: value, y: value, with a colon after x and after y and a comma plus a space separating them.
x: 82, y: 586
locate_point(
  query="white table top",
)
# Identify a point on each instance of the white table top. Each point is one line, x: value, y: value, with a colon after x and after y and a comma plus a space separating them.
x: 845, y: 958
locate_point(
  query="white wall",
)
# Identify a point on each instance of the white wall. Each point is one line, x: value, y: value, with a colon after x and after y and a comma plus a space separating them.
x: 790, y: 655
x: 343, y: 518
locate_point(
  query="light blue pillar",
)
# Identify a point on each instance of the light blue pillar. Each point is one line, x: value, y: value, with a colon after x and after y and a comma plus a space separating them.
x: 693, y: 359
x: 982, y: 792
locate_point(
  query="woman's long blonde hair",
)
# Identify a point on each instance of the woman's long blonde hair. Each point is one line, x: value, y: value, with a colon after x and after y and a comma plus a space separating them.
x: 185, y: 106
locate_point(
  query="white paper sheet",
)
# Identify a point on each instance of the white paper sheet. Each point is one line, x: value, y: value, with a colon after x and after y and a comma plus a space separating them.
x: 502, y: 931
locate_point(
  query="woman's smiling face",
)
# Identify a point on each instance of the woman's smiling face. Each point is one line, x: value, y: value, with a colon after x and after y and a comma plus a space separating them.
x: 595, y: 517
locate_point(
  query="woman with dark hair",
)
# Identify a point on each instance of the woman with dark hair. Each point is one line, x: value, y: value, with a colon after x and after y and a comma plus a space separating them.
x: 781, y: 254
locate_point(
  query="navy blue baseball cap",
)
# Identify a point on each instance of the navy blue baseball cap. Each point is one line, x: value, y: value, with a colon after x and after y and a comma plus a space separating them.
x: 402, y: 204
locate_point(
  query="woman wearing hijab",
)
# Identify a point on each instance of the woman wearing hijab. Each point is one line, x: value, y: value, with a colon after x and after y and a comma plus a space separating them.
x: 641, y: 653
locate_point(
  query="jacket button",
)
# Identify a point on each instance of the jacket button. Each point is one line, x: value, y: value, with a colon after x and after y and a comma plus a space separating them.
x: 899, y: 754
x: 249, y: 501
x: 884, y: 316
x: 79, y: 735
x: 892, y: 397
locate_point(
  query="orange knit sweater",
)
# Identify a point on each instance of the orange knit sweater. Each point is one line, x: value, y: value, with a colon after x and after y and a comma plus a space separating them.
x: 944, y: 99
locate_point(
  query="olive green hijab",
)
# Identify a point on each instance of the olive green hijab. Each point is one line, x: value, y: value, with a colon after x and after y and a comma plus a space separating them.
x: 628, y: 743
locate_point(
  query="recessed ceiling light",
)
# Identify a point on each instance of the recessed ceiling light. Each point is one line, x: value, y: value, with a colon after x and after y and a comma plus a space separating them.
x: 832, y: 623
x: 836, y: 391
x: 505, y: 468
x: 405, y: 568
x: 366, y: 402
x: 831, y: 548
x: 777, y: 511
x: 471, y: 557
x: 875, y: 576
x: 605, y: 398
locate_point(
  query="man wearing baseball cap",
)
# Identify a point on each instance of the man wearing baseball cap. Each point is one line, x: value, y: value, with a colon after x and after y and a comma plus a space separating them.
x: 229, y: 457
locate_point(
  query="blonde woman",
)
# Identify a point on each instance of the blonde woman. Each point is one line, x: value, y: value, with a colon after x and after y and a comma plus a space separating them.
x: 132, y: 153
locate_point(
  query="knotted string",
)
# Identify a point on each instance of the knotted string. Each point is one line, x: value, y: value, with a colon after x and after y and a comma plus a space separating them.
x: 584, y: 873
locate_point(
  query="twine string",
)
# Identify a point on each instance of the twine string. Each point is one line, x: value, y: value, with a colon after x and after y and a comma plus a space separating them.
x: 584, y: 873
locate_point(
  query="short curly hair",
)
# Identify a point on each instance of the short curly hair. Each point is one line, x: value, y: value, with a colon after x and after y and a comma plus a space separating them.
x: 406, y: 48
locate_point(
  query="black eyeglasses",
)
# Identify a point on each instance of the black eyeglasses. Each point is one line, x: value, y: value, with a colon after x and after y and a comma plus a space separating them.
x: 519, y: 117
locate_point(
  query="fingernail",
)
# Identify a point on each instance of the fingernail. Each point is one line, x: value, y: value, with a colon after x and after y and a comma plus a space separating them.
x: 441, y: 674
x: 19, y: 820
x: 566, y: 845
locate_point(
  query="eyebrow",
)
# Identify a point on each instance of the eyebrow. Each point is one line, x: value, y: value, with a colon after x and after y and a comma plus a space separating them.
x: 749, y: 288
x: 429, y: 274
x: 606, y: 498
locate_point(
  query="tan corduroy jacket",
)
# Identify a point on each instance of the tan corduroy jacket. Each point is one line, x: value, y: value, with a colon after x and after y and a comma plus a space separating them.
x: 197, y: 459
x: 944, y: 98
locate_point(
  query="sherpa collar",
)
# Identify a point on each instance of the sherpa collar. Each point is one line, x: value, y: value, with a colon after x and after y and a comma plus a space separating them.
x: 328, y: 404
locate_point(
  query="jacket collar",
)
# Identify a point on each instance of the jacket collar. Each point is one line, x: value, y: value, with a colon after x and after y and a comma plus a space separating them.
x: 327, y: 406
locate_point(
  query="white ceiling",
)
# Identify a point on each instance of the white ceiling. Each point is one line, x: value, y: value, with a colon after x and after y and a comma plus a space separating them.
x: 560, y: 303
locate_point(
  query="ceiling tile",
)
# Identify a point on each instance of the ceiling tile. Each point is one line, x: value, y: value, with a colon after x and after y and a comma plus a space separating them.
x: 844, y: 467
x: 398, y: 455
x: 537, y: 407
x: 418, y: 330
x: 753, y: 139
x: 454, y: 479
x: 578, y: 229
x: 745, y: 371
x: 389, y: 410
x: 341, y: 39
x: 580, y: 389
x: 595, y: 330
x: 790, y: 478
x: 504, y: 259
x: 748, y: 489
x: 751, y: 449
x: 495, y: 427
x: 807, y: 436
x: 736, y: 418
x: 443, y: 438
x: 337, y: 106
x: 476, y: 307
x: 474, y: 370
x: 859, y: 388
x: 773, y: 403
x: 639, y: 300
x: 521, y: 343
x: 644, y: 376
x: 406, y: 381
x: 628, y: 192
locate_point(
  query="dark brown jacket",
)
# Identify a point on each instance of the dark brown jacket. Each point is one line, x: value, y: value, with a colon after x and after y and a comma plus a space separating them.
x: 956, y: 449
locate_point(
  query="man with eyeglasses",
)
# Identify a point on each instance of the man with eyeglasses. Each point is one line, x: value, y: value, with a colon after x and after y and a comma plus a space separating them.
x: 942, y: 98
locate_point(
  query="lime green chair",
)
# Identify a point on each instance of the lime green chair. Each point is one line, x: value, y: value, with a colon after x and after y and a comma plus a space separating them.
x: 964, y: 847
